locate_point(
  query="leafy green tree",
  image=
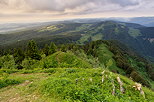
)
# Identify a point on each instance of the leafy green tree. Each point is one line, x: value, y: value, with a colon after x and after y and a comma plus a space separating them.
x: 8, y: 62
x: 32, y: 50
x: 29, y: 63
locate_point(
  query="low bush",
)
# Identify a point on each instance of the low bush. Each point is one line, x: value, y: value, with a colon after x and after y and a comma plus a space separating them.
x: 136, y: 77
x: 9, y: 71
x: 7, y: 82
x: 49, y: 70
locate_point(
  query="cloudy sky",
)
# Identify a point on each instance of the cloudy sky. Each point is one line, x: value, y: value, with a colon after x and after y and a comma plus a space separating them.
x: 48, y: 10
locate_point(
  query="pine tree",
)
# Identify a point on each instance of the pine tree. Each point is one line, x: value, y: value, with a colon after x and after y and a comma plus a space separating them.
x: 19, y: 56
x: 32, y: 50
x: 52, y: 48
x: 46, y: 50
x: 63, y: 48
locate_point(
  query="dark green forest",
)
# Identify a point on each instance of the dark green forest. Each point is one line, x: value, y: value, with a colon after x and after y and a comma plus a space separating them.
x: 124, y: 61
x: 135, y: 36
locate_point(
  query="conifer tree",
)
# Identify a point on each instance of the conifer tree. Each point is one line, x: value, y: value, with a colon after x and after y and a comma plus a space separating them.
x: 32, y: 50
x: 18, y: 56
x: 52, y: 48
x: 63, y: 48
x: 46, y: 50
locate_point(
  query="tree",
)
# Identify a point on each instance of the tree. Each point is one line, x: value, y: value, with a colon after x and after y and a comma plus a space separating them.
x: 63, y: 48
x: 52, y: 48
x: 46, y: 50
x: 32, y: 50
x: 19, y: 56
x: 1, y: 52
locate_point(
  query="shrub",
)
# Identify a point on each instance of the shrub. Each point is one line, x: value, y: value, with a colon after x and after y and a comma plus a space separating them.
x: 7, y: 82
x: 136, y: 77
x: 9, y: 71
x: 49, y: 70
x: 70, y: 70
x: 30, y: 63
x: 64, y: 60
x: 7, y: 62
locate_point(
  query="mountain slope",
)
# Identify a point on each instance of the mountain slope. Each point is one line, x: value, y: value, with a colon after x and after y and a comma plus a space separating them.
x: 135, y: 36
x: 129, y: 34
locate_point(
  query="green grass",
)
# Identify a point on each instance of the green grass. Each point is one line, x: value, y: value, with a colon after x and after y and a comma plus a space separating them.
x: 65, y: 60
x: 134, y: 32
x: 71, y: 85
x: 59, y: 59
x: 83, y: 27
x: 84, y: 38
x: 97, y: 37
x: 51, y: 28
x: 106, y: 57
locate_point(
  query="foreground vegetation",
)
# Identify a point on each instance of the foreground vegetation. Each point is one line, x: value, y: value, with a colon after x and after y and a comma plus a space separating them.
x: 70, y: 85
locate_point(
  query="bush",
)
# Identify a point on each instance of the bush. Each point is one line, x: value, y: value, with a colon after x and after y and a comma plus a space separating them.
x: 7, y: 62
x: 9, y: 71
x: 64, y: 60
x: 136, y: 77
x: 70, y: 70
x: 49, y: 70
x: 30, y: 63
x: 27, y: 71
x: 7, y: 82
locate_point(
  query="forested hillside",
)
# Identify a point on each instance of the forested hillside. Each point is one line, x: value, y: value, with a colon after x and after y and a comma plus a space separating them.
x: 121, y: 59
x: 96, y: 71
x: 136, y: 36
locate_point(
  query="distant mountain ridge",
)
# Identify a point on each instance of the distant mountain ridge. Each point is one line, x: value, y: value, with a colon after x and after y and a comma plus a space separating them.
x: 138, y: 37
x: 9, y: 27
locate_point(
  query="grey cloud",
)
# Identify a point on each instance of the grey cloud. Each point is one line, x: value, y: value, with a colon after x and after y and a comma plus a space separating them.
x: 75, y: 7
x: 61, y: 5
x: 126, y: 2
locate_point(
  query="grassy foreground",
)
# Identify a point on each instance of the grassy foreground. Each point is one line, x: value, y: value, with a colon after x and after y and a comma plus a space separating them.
x: 68, y: 85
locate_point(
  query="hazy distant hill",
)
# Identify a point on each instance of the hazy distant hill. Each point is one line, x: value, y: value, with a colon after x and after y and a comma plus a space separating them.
x: 139, y: 37
x: 13, y: 27
x: 146, y: 21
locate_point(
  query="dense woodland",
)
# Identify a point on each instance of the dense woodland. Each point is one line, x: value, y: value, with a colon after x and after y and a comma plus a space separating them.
x: 126, y: 61
x: 133, y: 35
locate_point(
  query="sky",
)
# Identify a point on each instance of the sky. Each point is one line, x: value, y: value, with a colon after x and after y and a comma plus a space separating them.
x: 51, y: 10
